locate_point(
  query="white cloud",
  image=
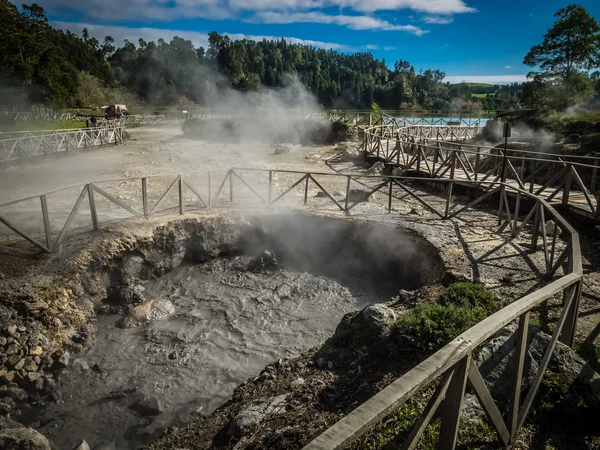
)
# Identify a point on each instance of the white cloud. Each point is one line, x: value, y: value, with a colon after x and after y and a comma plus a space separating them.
x: 352, y: 22
x: 439, y: 20
x: 388, y: 47
x: 491, y: 79
x: 165, y: 10
x: 508, y: 67
x: 197, y: 38
x: 372, y: 47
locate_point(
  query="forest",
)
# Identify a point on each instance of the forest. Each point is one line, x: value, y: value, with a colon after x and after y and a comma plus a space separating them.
x: 41, y: 64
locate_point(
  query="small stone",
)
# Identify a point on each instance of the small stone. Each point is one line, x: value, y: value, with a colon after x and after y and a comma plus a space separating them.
x: 17, y: 394
x: 330, y: 365
x: 320, y: 362
x: 39, y: 384
x: 49, y: 385
x: 5, y: 409
x: 37, y: 360
x: 12, y: 329
x: 378, y: 316
x: 3, y: 341
x: 12, y: 349
x: 298, y: 382
x: 36, y: 351
x: 63, y: 361
x: 33, y: 376
x: 12, y: 360
x: 82, y: 446
x: 19, y: 365
x: 30, y: 365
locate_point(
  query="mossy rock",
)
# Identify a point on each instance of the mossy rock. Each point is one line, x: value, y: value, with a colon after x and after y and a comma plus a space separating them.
x: 580, y: 127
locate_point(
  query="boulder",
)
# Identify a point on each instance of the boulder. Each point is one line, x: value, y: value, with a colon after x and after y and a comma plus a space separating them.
x: 496, y: 362
x: 23, y: 439
x: 359, y: 195
x: 398, y: 172
x: 378, y: 316
x: 82, y: 446
x: 149, y: 311
x: 283, y: 148
x: 147, y: 407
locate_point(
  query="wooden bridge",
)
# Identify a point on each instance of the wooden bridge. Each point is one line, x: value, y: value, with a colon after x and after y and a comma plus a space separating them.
x: 45, y: 116
x: 15, y: 146
x: 442, y: 151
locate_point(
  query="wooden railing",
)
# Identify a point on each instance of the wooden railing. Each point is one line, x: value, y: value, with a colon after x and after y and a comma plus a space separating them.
x: 31, y: 144
x: 562, y: 270
x: 46, y: 116
x: 441, y: 151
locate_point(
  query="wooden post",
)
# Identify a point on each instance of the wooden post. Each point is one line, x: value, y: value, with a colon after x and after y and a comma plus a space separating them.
x: 181, y: 195
x: 92, y: 207
x: 516, y: 218
x: 145, y: 198
x: 520, y: 352
x: 270, y: 185
x: 453, y: 405
x: 46, y: 217
x: 306, y: 191
x: 567, y: 188
x: 594, y: 177
x: 536, y: 227
x: 231, y: 185
x: 533, y: 174
x: 450, y: 185
x: 347, y: 194
x: 567, y: 336
x: 477, y: 158
x: 209, y: 193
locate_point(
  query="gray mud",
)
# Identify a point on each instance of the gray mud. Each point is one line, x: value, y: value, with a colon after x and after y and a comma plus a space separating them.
x: 228, y: 325
x: 234, y: 314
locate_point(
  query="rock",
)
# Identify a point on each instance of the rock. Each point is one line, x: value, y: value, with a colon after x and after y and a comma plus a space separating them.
x: 378, y: 316
x: 147, y: 407
x: 495, y: 360
x: 12, y: 360
x: 17, y: 394
x: 147, y: 312
x: 3, y: 341
x: 80, y: 365
x: 359, y: 195
x: 12, y: 329
x: 407, y: 296
x: 12, y: 349
x: 283, y: 148
x: 30, y: 365
x: 330, y: 365
x: 413, y: 212
x: 20, y: 364
x: 32, y: 377
x: 249, y: 418
x: 265, y: 262
x: 398, y: 172
x: 5, y: 409
x: 298, y: 382
x: 376, y: 168
x: 23, y: 439
x: 63, y: 361
x: 549, y: 228
x: 278, y: 438
x: 82, y: 446
x: 320, y: 362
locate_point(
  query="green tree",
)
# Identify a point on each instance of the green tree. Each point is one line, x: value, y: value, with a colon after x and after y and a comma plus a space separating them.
x: 570, y: 47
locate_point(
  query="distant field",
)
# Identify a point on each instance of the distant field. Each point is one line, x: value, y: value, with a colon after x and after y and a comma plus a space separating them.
x: 481, y: 95
x: 485, y: 85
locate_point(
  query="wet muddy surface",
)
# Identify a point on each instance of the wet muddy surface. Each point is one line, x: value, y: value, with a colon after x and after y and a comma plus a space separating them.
x: 233, y: 315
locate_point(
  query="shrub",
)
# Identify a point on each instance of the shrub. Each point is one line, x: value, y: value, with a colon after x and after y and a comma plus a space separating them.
x: 435, y: 323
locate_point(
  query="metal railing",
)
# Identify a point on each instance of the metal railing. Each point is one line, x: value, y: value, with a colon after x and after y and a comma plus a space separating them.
x: 441, y: 151
x: 562, y: 268
x: 33, y: 144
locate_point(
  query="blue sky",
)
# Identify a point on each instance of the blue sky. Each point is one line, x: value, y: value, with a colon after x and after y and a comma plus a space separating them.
x: 472, y: 40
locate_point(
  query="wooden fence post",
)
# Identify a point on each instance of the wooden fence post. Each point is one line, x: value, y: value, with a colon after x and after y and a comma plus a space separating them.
x: 90, y: 190
x: 453, y: 405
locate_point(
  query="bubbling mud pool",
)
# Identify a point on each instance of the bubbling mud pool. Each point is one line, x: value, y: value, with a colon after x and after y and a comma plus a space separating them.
x: 278, y: 286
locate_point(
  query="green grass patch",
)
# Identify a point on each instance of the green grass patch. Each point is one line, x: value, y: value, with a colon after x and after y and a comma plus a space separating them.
x: 434, y: 323
x: 482, y: 95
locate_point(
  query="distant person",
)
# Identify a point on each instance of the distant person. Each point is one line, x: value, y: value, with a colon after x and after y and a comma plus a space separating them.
x: 94, y: 121
x: 87, y: 122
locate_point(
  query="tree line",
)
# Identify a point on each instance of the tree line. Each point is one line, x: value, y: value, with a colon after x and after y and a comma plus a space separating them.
x: 39, y: 63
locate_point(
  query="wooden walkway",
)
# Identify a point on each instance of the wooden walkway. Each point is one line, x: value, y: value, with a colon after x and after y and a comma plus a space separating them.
x: 441, y: 152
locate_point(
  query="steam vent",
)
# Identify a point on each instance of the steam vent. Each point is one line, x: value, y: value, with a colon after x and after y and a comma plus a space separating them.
x: 347, y: 280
